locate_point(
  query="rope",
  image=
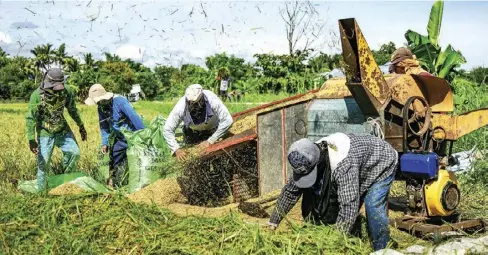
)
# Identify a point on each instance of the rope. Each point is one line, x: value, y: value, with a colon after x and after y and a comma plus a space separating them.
x: 376, y: 129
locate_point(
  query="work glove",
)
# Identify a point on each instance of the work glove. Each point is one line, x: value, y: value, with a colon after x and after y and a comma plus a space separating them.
x: 83, y: 133
x: 33, y: 146
x: 272, y: 226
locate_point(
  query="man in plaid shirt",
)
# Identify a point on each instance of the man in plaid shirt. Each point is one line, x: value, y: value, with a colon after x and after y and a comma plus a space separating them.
x: 358, y: 168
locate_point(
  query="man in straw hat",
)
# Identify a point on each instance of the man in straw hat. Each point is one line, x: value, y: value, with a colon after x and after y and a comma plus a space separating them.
x: 114, y: 113
x: 45, y: 117
x: 206, y: 119
x: 355, y: 169
x: 404, y: 62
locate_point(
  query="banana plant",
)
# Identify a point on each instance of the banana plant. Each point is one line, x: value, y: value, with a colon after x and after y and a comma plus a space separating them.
x: 441, y: 63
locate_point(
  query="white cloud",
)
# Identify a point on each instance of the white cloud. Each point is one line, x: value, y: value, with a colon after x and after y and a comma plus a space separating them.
x: 130, y: 51
x: 5, y: 38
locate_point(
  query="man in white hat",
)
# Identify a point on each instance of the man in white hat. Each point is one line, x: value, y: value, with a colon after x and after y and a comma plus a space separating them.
x: 114, y: 112
x: 205, y: 118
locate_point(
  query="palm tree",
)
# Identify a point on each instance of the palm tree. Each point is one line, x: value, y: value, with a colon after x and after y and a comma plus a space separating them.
x: 112, y: 58
x: 3, y: 53
x: 71, y: 64
x: 44, y: 56
x: 60, y: 55
x: 89, y: 61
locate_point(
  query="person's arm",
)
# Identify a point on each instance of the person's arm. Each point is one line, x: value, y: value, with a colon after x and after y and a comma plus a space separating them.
x: 174, y: 119
x: 31, y: 117
x: 225, y: 119
x: 131, y: 114
x: 71, y: 107
x: 348, y: 196
x: 104, y: 127
x: 290, y: 194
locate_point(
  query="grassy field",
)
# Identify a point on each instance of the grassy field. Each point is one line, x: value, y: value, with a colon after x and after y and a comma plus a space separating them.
x: 111, y: 224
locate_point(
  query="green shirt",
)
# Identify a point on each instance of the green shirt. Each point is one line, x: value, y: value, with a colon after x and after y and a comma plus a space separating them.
x: 46, y: 116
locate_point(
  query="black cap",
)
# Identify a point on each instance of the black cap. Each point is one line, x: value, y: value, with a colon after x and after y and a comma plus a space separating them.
x: 54, y: 79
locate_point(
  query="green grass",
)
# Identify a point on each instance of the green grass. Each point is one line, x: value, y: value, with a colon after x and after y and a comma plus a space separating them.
x: 111, y: 224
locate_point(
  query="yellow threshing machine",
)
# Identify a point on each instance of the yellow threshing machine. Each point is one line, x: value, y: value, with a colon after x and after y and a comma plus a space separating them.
x: 414, y: 113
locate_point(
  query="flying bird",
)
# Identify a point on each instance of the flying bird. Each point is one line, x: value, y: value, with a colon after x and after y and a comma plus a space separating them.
x: 30, y: 10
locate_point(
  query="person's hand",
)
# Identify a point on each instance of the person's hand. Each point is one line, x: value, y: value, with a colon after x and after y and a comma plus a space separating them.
x: 104, y: 149
x: 180, y: 154
x: 83, y: 133
x: 33, y: 146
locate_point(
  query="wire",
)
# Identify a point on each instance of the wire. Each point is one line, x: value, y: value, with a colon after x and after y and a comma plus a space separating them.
x: 376, y: 128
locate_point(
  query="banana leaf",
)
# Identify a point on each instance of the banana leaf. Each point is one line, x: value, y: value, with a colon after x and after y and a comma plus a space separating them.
x: 415, y: 39
x: 435, y: 20
x: 427, y: 54
x: 448, y: 60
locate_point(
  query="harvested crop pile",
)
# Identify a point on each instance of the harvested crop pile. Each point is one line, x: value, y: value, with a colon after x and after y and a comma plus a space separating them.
x: 191, y: 210
x: 209, y: 181
x: 66, y: 189
x: 162, y: 192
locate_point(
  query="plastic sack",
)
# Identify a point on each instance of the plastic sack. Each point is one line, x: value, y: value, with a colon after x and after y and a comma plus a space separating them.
x: 80, y: 179
x: 148, y: 155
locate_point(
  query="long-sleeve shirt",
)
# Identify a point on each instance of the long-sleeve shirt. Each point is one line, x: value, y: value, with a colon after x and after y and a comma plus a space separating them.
x: 46, y: 118
x: 122, y: 115
x: 357, y: 162
x: 221, y: 120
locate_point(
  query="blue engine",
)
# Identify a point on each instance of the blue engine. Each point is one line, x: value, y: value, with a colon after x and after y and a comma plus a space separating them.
x: 419, y: 165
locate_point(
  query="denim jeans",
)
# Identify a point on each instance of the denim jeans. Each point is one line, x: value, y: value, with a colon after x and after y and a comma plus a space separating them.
x: 375, y: 203
x: 71, y: 154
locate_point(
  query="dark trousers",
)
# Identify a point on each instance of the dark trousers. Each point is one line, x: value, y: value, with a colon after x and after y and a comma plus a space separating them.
x: 118, y: 162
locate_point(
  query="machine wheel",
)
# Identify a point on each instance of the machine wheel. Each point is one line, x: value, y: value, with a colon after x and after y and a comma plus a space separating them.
x: 450, y: 197
x: 417, y: 111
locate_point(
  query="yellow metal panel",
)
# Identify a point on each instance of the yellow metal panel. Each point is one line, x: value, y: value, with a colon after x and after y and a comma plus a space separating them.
x: 452, y: 127
x: 371, y: 75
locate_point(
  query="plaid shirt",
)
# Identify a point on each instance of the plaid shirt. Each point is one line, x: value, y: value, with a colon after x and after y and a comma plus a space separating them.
x: 369, y: 160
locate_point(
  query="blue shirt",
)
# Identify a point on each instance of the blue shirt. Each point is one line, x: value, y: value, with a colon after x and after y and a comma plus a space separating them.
x: 122, y: 116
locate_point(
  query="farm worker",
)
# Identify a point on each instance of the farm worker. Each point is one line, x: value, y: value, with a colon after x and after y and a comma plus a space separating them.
x: 404, y: 62
x: 224, y: 82
x: 205, y: 118
x: 45, y: 117
x: 355, y: 169
x: 114, y: 114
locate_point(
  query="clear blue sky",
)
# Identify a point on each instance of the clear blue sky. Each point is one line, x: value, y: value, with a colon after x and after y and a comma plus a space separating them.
x: 164, y: 32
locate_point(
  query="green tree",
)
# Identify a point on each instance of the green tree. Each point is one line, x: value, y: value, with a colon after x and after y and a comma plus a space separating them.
x: 479, y: 75
x: 383, y: 55
x: 149, y: 84
x: 89, y: 61
x: 44, y: 56
x: 117, y: 76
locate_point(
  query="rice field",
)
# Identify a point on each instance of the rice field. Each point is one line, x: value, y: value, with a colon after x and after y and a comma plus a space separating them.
x: 115, y: 224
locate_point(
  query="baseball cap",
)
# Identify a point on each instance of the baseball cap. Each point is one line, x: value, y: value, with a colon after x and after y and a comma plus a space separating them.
x: 54, y: 79
x: 303, y: 156
x: 96, y: 93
